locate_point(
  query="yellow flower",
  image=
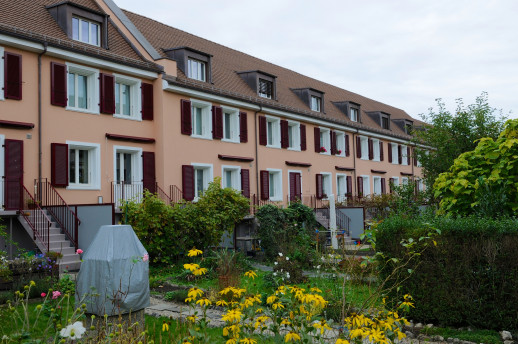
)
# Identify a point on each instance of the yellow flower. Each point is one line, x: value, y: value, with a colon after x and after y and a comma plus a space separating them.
x: 260, y: 320
x: 199, y: 272
x: 291, y: 337
x: 191, y: 267
x: 251, y: 274
x: 194, y: 293
x: 233, y: 315
x: 259, y: 310
x: 271, y: 299
x: 194, y: 252
x: 231, y: 341
x: 222, y: 303
x: 165, y: 327
x: 227, y: 290
x: 277, y: 305
x: 315, y: 290
x: 192, y: 318
x: 285, y: 322
x: 322, y: 326
x: 248, y: 341
x: 249, y: 302
x: 342, y: 341
x: 204, y: 302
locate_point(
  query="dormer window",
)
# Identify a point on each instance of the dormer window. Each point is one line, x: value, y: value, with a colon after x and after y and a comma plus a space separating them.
x: 350, y: 109
x: 265, y: 89
x: 353, y: 115
x: 406, y: 125
x: 260, y: 82
x: 316, y: 103
x: 193, y: 63
x: 385, y: 122
x: 314, y: 99
x: 86, y: 31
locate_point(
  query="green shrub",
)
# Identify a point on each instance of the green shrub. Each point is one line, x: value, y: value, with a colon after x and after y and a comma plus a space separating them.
x: 65, y: 285
x: 469, y: 279
x: 176, y: 295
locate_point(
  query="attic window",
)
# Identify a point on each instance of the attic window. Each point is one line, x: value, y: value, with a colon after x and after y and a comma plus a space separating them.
x: 316, y: 103
x: 194, y: 64
x: 265, y: 88
x: 314, y: 99
x: 196, y: 69
x: 86, y: 31
x: 408, y: 127
x: 260, y: 82
x: 385, y: 121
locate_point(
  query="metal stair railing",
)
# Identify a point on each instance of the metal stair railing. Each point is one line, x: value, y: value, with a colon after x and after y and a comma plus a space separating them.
x: 35, y: 217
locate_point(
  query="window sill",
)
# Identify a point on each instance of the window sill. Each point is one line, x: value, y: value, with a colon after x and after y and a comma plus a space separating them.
x: 340, y: 155
x: 277, y: 147
x: 131, y: 118
x: 363, y: 158
x: 294, y: 149
x: 324, y: 153
x: 376, y: 160
x: 201, y: 137
x: 83, y: 187
x: 230, y: 140
x: 82, y: 110
x: 275, y: 199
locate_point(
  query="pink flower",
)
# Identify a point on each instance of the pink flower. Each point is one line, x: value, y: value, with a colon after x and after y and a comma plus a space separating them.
x: 56, y: 294
x: 145, y: 258
x: 79, y: 251
x: 43, y: 294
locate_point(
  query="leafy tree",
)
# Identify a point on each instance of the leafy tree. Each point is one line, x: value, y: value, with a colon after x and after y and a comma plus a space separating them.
x: 451, y: 134
x: 483, y: 181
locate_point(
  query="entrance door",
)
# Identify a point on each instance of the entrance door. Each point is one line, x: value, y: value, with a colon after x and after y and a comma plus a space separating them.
x: 295, y: 187
x: 13, y: 165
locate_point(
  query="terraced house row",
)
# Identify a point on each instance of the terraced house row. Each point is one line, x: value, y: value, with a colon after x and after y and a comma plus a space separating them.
x: 98, y: 104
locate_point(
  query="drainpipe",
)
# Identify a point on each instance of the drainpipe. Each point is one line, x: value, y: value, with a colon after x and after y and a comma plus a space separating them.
x: 256, y: 150
x: 355, y: 181
x: 39, y: 117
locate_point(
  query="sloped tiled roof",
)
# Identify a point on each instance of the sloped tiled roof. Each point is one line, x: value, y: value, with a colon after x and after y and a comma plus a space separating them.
x: 30, y: 19
x: 226, y: 62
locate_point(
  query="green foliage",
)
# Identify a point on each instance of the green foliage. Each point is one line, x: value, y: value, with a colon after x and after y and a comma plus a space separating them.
x: 469, y: 279
x: 168, y: 232
x: 65, y: 285
x: 288, y: 231
x: 177, y: 295
x: 483, y: 181
x: 475, y: 336
x: 451, y: 134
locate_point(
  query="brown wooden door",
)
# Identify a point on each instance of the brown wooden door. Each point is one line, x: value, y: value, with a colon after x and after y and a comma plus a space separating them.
x: 13, y: 165
x: 295, y: 187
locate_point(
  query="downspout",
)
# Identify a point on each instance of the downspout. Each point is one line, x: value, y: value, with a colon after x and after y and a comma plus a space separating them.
x: 355, y: 181
x: 40, y: 117
x: 256, y: 151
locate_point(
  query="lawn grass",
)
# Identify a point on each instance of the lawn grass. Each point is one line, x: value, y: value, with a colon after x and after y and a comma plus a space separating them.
x: 476, y: 336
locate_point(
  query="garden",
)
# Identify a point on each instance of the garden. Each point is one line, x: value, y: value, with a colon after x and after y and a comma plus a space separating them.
x: 447, y: 271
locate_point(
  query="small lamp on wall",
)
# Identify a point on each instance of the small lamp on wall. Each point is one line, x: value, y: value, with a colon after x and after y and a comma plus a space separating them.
x: 100, y: 199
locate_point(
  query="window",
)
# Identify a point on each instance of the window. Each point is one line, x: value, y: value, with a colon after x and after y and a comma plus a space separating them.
x: 294, y: 135
x: 316, y: 103
x: 83, y: 91
x: 202, y: 178
x: 377, y: 185
x: 128, y: 165
x: 409, y: 127
x: 366, y: 186
x: 364, y: 142
x: 86, y: 31
x: 265, y: 88
x: 394, y: 181
x: 327, y: 188
x: 395, y: 153
x: 273, y: 132
x: 340, y: 143
x: 376, y: 149
x: 196, y: 69
x: 127, y: 97
x: 230, y: 125
x: 419, y: 185
x: 84, y: 165
x: 231, y: 177
x: 275, y: 184
x: 385, y: 122
x: 404, y: 155
x: 354, y: 114
x: 341, y: 187
x: 325, y: 141
x: 201, y: 119
x: 404, y: 180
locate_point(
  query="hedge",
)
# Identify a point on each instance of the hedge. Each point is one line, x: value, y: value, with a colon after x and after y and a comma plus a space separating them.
x: 469, y: 279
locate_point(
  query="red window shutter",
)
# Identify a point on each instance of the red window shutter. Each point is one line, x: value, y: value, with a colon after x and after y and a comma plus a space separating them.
x: 360, y: 186
x: 188, y: 182
x: 358, y: 147
x: 107, y: 87
x: 347, y: 149
x: 381, y: 151
x: 298, y: 186
x: 391, y: 185
x: 415, y: 156
x: 383, y: 186
x: 148, y: 171
x: 320, y: 190
x: 147, y: 102
x: 399, y: 155
x: 292, y: 186
x: 408, y: 155
x: 58, y: 84
x: 243, y: 128
x: 333, y: 142
x: 217, y: 122
x: 303, y: 145
x: 263, y: 140
x: 59, y: 164
x: 245, y: 182
x: 349, y: 180
x: 265, y: 185
x: 389, y: 147
x: 13, y: 165
x: 317, y: 139
x: 371, y: 149
x: 12, y: 76
x: 186, y: 125
x: 285, y: 142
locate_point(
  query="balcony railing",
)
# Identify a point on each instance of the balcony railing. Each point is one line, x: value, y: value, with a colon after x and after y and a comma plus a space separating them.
x: 123, y: 192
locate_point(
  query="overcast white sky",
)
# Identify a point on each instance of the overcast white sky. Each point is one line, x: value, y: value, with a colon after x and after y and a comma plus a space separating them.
x: 403, y: 53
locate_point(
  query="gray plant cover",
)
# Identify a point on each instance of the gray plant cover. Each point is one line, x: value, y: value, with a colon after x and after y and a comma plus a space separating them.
x: 113, y: 267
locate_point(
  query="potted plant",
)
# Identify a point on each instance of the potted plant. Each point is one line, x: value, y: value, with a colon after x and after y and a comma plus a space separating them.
x: 323, y: 150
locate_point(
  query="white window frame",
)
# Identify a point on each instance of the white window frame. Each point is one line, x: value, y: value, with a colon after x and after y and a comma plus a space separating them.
x: 396, y: 181
x: 376, y: 185
x: 92, y: 85
x: 264, y: 95
x: 404, y: 180
x: 351, y: 114
x: 327, y: 184
x: 80, y: 32
x: 340, y: 143
x: 136, y: 164
x: 206, y: 125
x: 419, y: 184
x: 236, y: 176
x: 94, y: 165
x: 208, y: 176
x: 376, y: 150
x: 341, y: 194
x: 234, y: 124
x: 277, y: 186
x: 366, y: 185
x: 364, y: 143
x: 325, y: 140
x: 317, y: 105
x: 404, y: 161
x: 288, y: 181
x: 395, y: 155
x: 135, y: 97
x: 276, y: 132
x: 190, y: 74
x: 2, y: 74
x: 296, y: 135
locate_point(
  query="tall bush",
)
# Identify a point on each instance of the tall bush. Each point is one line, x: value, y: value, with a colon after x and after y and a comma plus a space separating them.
x: 469, y: 279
